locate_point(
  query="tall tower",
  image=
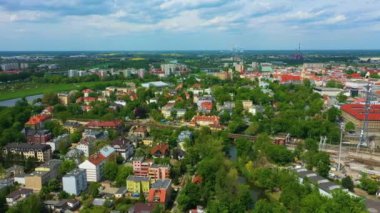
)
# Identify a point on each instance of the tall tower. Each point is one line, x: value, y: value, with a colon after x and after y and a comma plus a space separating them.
x: 363, y: 138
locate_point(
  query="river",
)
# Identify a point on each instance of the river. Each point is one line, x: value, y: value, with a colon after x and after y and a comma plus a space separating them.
x: 12, y: 102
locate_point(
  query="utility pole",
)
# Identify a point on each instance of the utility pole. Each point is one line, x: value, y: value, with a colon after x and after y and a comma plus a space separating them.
x: 364, y: 140
x: 340, y: 146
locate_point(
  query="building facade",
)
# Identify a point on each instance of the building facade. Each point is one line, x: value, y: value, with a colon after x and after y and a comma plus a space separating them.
x: 75, y: 181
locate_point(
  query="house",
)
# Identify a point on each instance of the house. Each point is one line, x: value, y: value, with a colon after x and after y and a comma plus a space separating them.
x: 160, y: 150
x: 94, y: 167
x: 87, y: 92
x: 160, y: 192
x: 142, y: 208
x: 205, y: 105
x: 107, y: 151
x: 158, y: 171
x: 137, y: 185
x: 138, y: 131
x: 37, y: 135
x: 72, y: 126
x: 203, y: 120
x: 86, y: 146
x: 75, y: 181
x: 41, y: 152
x: 199, y: 209
x: 290, y: 79
x: 123, y: 146
x: 14, y: 197
x: 94, y: 134
x: 64, y: 98
x: 62, y: 205
x: 167, y: 109
x: 37, y: 121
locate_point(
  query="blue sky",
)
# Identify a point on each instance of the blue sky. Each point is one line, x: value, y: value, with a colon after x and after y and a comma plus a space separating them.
x: 188, y: 24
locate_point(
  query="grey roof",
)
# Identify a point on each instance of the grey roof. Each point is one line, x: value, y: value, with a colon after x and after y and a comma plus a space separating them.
x: 328, y: 186
x: 162, y: 184
x: 98, y: 202
x: 137, y: 178
x: 27, y: 146
x: 74, y: 172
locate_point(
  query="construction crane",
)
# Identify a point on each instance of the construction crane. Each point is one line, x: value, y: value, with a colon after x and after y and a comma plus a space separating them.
x: 363, y: 138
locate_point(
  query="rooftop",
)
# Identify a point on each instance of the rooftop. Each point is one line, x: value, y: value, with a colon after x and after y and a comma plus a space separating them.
x: 357, y: 111
x: 137, y: 178
x: 161, y: 184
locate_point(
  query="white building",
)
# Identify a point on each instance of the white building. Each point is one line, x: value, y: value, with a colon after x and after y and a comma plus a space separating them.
x: 85, y: 146
x: 93, y: 167
x: 75, y: 181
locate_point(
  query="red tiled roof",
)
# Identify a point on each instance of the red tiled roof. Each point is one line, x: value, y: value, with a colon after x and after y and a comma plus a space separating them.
x: 87, y: 91
x: 96, y: 158
x: 212, y: 118
x: 162, y: 148
x: 207, y: 105
x: 357, y: 111
x: 355, y: 75
x: 104, y: 124
x: 286, y: 78
x: 36, y: 119
x: 89, y: 99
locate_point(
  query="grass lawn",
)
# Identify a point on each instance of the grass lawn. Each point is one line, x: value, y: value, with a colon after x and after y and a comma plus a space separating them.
x: 28, y: 89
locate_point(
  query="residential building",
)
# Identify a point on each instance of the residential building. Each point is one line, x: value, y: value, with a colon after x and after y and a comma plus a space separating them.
x: 203, y: 120
x: 115, y: 124
x: 160, y: 150
x: 107, y: 151
x: 36, y: 180
x: 157, y: 171
x: 64, y: 98
x: 37, y: 121
x: 160, y: 192
x: 54, y: 144
x: 86, y: 145
x: 141, y: 167
x: 142, y: 208
x: 123, y: 146
x: 51, y: 166
x: 10, y: 66
x: 94, y: 167
x: 37, y: 135
x: 75, y: 181
x: 14, y: 197
x: 167, y: 109
x: 137, y: 185
x: 138, y: 131
x: 41, y: 152
x: 72, y: 126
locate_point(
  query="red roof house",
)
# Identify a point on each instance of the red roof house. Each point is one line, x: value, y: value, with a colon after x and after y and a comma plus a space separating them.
x: 357, y: 111
x: 115, y: 124
x: 160, y: 150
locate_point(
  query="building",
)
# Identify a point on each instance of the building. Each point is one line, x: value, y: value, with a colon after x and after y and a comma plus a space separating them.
x: 37, y: 135
x: 138, y: 131
x: 115, y: 124
x: 157, y: 84
x: 64, y: 98
x: 86, y: 145
x: 137, y: 185
x: 355, y: 113
x: 52, y: 166
x: 72, y: 126
x: 142, y: 208
x: 41, y: 152
x: 160, y: 192
x: 14, y: 197
x: 54, y: 144
x: 75, y: 181
x: 157, y: 171
x: 36, y: 180
x: 10, y: 66
x: 123, y: 146
x: 203, y: 120
x: 94, y: 167
x: 141, y: 167
x: 330, y: 92
x: 37, y: 121
x: 160, y: 151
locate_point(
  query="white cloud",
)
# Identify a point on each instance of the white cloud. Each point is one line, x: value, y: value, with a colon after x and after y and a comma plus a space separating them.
x: 23, y: 15
x: 178, y: 4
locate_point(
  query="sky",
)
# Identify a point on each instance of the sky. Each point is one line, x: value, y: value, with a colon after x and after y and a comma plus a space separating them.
x: 188, y: 24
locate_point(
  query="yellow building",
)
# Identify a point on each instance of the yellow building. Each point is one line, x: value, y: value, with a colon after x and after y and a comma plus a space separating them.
x: 36, y: 180
x: 137, y: 184
x: 148, y: 141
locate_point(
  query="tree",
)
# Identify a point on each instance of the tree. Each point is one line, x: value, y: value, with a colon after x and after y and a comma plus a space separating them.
x: 323, y: 164
x: 50, y: 99
x: 341, y: 98
x: 349, y: 127
x: 65, y: 167
x: 122, y: 174
x: 348, y: 183
x: 110, y: 170
x: 93, y: 189
x: 263, y: 206
x: 369, y: 185
x: 28, y: 205
x: 311, y: 145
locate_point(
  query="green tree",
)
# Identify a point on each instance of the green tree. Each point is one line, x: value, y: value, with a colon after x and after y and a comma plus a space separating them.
x: 349, y: 127
x: 110, y: 170
x: 122, y: 174
x: 263, y: 206
x: 369, y: 185
x: 348, y: 183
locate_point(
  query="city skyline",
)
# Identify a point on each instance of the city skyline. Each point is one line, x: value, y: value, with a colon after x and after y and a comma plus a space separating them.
x: 188, y: 25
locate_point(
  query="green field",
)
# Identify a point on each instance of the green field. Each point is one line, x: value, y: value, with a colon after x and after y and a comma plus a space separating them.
x: 27, y: 89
